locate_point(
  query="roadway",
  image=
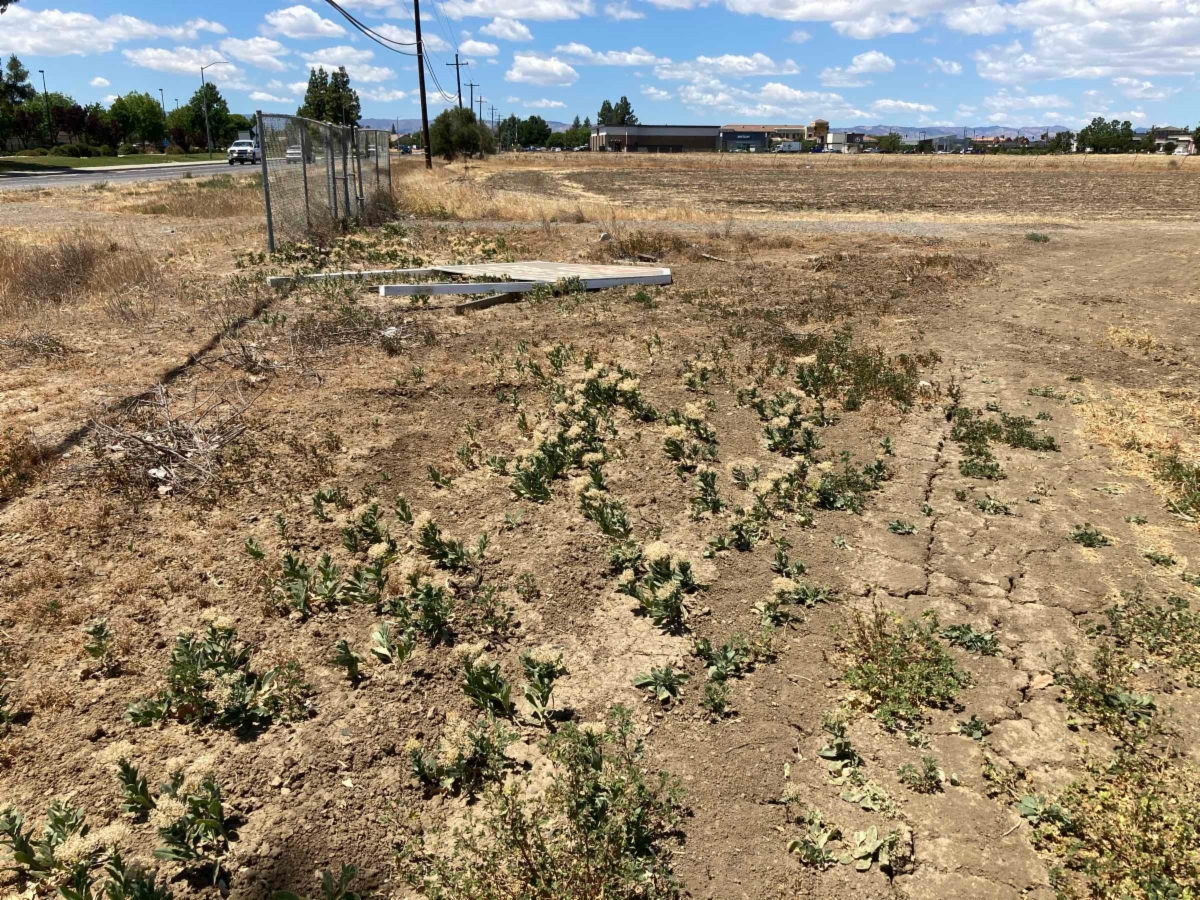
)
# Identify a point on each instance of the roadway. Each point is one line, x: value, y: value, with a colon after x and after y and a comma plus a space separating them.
x: 116, y: 174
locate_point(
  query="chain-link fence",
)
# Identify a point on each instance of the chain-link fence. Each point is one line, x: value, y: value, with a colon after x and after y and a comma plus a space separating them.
x: 318, y: 177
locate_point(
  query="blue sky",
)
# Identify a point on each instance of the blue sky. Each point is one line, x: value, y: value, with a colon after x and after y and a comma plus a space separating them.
x: 902, y: 62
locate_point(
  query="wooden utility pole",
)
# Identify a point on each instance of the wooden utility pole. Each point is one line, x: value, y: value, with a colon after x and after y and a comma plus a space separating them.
x: 421, y: 82
x: 472, y: 85
x: 480, y: 107
x: 458, y: 76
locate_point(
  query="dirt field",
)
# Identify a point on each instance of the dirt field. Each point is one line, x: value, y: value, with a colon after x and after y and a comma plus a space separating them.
x: 881, y: 522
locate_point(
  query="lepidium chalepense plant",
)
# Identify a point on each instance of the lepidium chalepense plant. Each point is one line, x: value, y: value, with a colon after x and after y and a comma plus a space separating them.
x: 662, y: 583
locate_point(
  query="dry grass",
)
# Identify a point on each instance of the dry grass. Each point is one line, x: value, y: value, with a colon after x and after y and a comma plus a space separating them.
x: 21, y: 457
x: 36, y: 277
x: 218, y: 197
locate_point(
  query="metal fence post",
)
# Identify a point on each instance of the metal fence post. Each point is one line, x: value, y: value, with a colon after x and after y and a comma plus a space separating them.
x: 304, y: 143
x: 345, y: 178
x: 331, y: 170
x: 377, y: 181
x: 262, y: 155
x: 358, y: 181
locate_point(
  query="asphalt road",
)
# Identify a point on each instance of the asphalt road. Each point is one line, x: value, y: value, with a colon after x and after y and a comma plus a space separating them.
x: 67, y: 177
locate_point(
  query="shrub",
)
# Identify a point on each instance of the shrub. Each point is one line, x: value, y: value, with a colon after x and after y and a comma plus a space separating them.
x: 210, y: 682
x: 903, y: 670
x: 126, y: 150
x: 603, y: 829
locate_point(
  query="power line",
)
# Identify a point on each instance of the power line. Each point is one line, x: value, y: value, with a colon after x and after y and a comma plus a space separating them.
x: 386, y: 42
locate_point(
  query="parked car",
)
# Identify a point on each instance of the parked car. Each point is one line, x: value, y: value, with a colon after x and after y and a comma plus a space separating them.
x: 294, y: 154
x: 406, y: 149
x: 242, y: 152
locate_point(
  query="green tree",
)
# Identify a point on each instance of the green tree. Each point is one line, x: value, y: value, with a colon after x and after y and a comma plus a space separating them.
x: 4, y: 4
x: 534, y: 132
x: 587, y: 123
x: 1060, y: 143
x: 342, y: 106
x: 891, y: 143
x: 17, y: 89
x: 556, y: 139
x: 510, y: 131
x: 139, y: 117
x: 313, y: 106
x: 623, y: 113
x: 455, y: 132
x: 576, y: 124
x: 218, y: 113
x: 605, y: 116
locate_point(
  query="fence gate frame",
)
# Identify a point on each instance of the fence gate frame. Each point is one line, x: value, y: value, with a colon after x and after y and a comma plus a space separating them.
x: 294, y: 211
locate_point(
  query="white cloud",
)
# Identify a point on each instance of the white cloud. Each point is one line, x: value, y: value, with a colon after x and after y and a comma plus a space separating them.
x: 654, y: 93
x: 546, y: 71
x: 300, y: 22
x: 52, y: 32
x: 799, y: 36
x: 1005, y: 101
x: 264, y: 97
x: 581, y: 53
x: 383, y: 95
x: 622, y: 12
x: 187, y: 61
x: 257, y: 51
x: 706, y: 68
x: 780, y: 93
x: 298, y: 87
x: 99, y: 81
x: 873, y: 26
x: 869, y: 63
x: 901, y: 106
x: 478, y: 48
x: 108, y: 100
x: 356, y: 61
x: 948, y: 66
x: 533, y: 10
x: 507, y: 30
x: 1137, y: 89
x: 544, y: 104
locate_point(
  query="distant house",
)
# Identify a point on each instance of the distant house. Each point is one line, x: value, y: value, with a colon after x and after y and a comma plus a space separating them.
x: 1184, y: 141
x: 846, y: 142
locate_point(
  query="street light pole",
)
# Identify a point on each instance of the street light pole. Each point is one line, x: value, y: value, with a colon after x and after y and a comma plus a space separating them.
x: 162, y: 99
x: 204, y: 102
x: 46, y: 96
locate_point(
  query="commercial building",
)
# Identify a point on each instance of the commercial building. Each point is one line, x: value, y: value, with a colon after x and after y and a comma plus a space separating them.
x: 845, y: 142
x: 762, y: 138
x: 654, y: 138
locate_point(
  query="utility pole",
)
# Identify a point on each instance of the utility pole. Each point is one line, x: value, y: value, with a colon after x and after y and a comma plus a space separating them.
x: 204, y: 102
x: 458, y: 76
x: 481, y: 107
x: 421, y: 81
x: 472, y: 85
x: 492, y: 117
x: 162, y: 98
x: 46, y: 97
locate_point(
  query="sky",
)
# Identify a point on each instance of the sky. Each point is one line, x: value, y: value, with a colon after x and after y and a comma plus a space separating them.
x: 968, y: 63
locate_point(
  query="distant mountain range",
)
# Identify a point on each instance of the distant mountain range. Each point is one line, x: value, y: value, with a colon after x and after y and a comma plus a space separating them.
x: 931, y: 131
x: 909, y: 132
x: 409, y: 126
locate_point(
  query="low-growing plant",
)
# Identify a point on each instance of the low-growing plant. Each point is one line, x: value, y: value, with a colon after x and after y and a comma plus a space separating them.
x: 486, y: 687
x: 847, y: 490
x: 731, y: 660
x: 706, y: 499
x: 870, y: 848
x: 1167, y: 632
x: 345, y: 657
x: 388, y: 648
x: 839, y: 754
x: 98, y: 645
x: 899, y: 526
x: 811, y: 848
x: 469, y: 757
x: 663, y: 682
x: 924, y: 779
x: 447, y: 553
x: 901, y: 668
x: 200, y: 835
x: 661, y: 586
x: 332, y: 887
x: 210, y: 682
x: 602, y: 829
x: 990, y: 506
x: 1087, y: 536
x: 974, y: 728
x: 135, y: 792
x: 1159, y: 558
x: 1037, y: 237
x: 716, y: 699
x: 541, y: 672
x: 982, y: 642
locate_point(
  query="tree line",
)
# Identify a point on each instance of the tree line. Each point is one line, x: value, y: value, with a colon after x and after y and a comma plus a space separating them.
x: 31, y: 119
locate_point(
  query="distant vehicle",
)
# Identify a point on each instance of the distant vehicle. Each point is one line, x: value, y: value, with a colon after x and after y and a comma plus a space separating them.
x: 242, y: 152
x: 556, y: 149
x: 582, y: 148
x: 788, y: 147
x: 406, y: 149
x: 293, y: 154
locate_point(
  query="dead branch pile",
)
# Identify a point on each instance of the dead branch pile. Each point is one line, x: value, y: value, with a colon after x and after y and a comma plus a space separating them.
x: 155, y: 444
x: 27, y: 344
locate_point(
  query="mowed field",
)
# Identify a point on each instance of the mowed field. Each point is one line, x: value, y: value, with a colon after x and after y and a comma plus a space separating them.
x: 859, y: 562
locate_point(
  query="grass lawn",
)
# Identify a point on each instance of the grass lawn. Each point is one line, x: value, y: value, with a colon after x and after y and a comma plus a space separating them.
x: 35, y: 163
